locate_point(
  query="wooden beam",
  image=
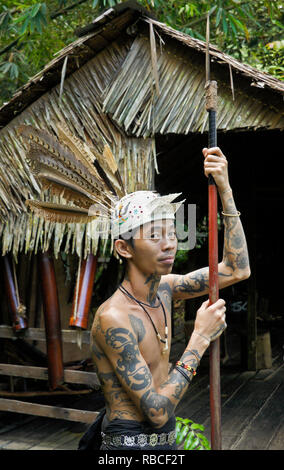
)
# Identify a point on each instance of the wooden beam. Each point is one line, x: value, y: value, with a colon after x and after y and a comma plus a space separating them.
x: 38, y: 334
x: 16, y: 406
x: 41, y: 373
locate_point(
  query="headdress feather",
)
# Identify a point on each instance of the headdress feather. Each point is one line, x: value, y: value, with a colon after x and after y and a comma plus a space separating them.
x: 69, y: 168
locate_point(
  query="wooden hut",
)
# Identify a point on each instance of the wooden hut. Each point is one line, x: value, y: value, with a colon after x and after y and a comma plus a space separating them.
x: 137, y: 85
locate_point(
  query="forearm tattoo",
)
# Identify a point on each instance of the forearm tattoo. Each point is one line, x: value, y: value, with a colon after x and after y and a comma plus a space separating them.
x: 175, y: 378
x: 190, y: 357
x: 235, y: 253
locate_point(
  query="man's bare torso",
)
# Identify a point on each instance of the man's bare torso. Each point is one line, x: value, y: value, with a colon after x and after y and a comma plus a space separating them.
x: 134, y: 321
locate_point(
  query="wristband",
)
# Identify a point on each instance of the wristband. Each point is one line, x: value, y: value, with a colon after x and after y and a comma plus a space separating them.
x: 186, y: 367
x: 187, y: 378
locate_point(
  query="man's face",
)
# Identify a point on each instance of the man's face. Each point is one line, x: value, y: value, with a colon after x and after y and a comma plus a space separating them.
x: 155, y: 246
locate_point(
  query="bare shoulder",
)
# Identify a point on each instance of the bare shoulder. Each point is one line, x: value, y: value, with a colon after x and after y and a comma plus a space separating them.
x: 109, y: 314
x: 167, y: 282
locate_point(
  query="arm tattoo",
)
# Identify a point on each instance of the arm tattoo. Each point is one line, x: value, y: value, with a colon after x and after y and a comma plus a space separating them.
x: 175, y: 378
x: 189, y: 358
x: 138, y: 327
x: 124, y: 342
x: 154, y: 404
x: 235, y: 253
x: 193, y: 284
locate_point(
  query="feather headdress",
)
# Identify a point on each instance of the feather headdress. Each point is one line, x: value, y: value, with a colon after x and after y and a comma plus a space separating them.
x: 88, y: 181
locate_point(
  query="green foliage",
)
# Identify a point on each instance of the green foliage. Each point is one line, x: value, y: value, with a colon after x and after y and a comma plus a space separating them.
x: 102, y: 4
x: 187, y: 433
x: 33, y: 18
x: 32, y: 31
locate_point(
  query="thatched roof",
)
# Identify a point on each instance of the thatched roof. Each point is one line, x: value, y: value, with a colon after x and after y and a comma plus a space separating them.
x: 98, y: 35
x: 127, y: 78
x: 80, y: 109
x: 176, y: 103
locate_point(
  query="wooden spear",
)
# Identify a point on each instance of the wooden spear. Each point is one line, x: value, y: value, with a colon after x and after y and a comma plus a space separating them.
x: 215, y: 391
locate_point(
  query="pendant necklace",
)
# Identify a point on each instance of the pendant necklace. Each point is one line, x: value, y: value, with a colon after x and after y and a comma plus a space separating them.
x: 164, y: 341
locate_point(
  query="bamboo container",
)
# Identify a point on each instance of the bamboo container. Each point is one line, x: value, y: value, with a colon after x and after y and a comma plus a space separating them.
x: 83, y: 292
x: 52, y: 321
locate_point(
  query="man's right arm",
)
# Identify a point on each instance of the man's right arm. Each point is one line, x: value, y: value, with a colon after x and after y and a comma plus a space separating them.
x: 119, y: 343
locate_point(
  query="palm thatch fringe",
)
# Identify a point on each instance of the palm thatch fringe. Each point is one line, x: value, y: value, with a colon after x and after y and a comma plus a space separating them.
x: 80, y: 109
x: 27, y: 233
x: 178, y: 107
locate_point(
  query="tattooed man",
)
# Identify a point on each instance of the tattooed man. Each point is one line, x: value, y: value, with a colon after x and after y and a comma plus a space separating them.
x: 131, y: 333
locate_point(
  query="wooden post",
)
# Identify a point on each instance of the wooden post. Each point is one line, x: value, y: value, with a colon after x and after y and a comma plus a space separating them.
x: 52, y: 320
x: 252, y: 286
x: 19, y: 319
x: 82, y: 298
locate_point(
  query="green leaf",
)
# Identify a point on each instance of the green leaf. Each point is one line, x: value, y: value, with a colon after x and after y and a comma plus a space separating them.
x: 5, y: 19
x: 35, y: 9
x: 182, y: 434
x: 197, y: 426
x: 224, y: 25
x: 178, y: 428
x: 194, y: 443
x: 236, y: 22
x: 218, y: 16
x: 204, y: 441
x: 14, y: 71
x: 186, y: 421
x: 234, y: 31
x: 11, y: 69
x: 24, y: 26
x: 212, y: 10
x: 21, y: 18
x: 5, y: 67
x: 277, y: 23
x: 188, y: 441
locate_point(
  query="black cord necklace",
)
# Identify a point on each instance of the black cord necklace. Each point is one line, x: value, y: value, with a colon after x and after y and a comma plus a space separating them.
x: 164, y: 341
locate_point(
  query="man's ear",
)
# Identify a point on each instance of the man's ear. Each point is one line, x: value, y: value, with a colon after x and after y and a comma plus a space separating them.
x: 123, y: 248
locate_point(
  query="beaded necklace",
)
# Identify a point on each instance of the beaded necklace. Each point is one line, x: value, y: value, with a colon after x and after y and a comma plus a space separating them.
x: 164, y: 341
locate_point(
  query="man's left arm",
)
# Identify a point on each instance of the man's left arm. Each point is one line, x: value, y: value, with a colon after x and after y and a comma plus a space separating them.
x: 234, y: 266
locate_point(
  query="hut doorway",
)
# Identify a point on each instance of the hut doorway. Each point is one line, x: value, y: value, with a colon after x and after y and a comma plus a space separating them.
x: 255, y: 177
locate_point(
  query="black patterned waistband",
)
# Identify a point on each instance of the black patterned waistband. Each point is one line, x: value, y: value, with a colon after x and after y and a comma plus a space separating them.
x: 139, y: 440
